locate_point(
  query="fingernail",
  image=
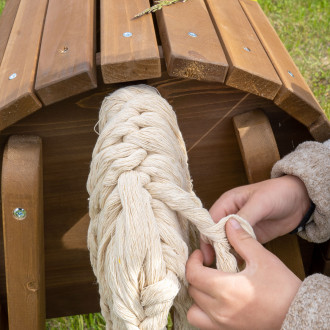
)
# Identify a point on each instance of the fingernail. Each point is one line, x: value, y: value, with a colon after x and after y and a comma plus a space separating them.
x: 234, y: 224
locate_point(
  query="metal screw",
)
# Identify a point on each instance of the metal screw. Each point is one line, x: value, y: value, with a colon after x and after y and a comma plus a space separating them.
x: 291, y: 74
x: 247, y: 49
x: 19, y: 213
x: 127, y: 34
x: 12, y: 76
x: 192, y: 34
x: 64, y: 50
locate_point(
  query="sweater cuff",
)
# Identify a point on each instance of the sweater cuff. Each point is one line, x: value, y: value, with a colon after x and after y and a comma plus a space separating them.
x: 310, y: 307
x: 310, y: 162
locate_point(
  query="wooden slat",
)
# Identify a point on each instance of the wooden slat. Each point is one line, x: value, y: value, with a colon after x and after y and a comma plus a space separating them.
x: 7, y: 19
x: 127, y: 58
x: 17, y: 98
x: 66, y: 62
x: 249, y: 66
x: 190, y: 43
x: 24, y: 239
x: 295, y: 97
x: 259, y: 152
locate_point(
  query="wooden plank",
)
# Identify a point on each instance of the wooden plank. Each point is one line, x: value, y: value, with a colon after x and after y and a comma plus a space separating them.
x: 24, y: 238
x: 7, y: 19
x: 257, y: 144
x: 249, y: 66
x: 17, y: 98
x: 295, y: 97
x: 67, y: 55
x: 259, y: 152
x: 134, y: 57
x: 191, y: 46
x: 3, y: 319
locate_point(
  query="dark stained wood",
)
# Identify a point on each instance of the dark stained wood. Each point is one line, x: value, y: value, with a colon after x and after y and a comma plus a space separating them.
x: 295, y: 96
x: 127, y: 58
x: 7, y: 19
x: 66, y: 63
x: 190, y: 43
x: 3, y: 319
x: 249, y: 66
x: 21, y: 186
x: 204, y: 112
x: 259, y: 152
x: 17, y: 98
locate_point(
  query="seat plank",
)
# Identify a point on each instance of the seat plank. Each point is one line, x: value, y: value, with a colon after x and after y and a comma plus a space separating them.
x: 17, y: 98
x: 134, y: 57
x: 190, y: 43
x: 259, y: 152
x: 7, y: 19
x: 67, y: 54
x: 24, y: 237
x: 249, y: 66
x: 295, y: 97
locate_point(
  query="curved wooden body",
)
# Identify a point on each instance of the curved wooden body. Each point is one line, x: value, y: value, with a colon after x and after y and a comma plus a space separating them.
x: 208, y: 79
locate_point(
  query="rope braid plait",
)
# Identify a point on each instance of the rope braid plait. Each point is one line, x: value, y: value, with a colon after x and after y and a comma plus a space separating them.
x: 144, y: 214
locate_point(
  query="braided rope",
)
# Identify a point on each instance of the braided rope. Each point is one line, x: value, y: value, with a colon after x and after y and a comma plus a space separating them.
x: 144, y: 213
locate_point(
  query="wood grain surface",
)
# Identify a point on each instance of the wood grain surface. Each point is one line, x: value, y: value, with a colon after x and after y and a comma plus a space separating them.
x: 7, y: 19
x: 249, y: 66
x: 204, y: 112
x: 295, y: 96
x: 135, y: 57
x: 190, y: 43
x: 67, y: 55
x: 21, y: 186
x: 259, y: 152
x: 17, y: 98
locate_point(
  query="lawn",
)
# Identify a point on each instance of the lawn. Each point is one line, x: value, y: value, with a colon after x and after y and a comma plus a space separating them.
x: 303, y: 26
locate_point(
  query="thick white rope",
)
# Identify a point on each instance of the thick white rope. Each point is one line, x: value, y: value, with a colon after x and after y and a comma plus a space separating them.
x: 144, y: 214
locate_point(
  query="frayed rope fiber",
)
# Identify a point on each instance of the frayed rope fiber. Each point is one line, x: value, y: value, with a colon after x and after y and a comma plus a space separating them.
x: 145, y: 217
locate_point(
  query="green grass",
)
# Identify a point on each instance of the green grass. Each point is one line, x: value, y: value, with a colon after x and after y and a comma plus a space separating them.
x: 304, y: 29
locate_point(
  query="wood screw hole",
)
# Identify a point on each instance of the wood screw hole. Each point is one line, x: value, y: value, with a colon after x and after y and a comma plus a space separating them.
x: 127, y: 34
x: 12, y: 76
x: 19, y: 213
x: 291, y: 74
x: 192, y: 34
x: 64, y: 50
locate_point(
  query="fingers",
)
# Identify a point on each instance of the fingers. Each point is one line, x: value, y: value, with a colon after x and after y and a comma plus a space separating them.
x: 208, y: 253
x: 244, y: 244
x: 199, y: 276
x: 200, y: 319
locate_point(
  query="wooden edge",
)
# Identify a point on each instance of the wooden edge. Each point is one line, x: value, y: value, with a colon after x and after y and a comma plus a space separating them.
x: 18, y: 66
x: 129, y: 49
x: 294, y: 97
x: 21, y: 187
x: 7, y: 19
x: 250, y: 69
x: 191, y: 46
x: 66, y: 64
x: 259, y: 153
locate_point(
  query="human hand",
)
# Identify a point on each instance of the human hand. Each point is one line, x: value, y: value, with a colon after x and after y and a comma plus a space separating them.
x: 273, y: 208
x: 256, y: 298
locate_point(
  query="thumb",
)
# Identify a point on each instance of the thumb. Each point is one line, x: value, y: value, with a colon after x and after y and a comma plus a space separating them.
x: 243, y: 243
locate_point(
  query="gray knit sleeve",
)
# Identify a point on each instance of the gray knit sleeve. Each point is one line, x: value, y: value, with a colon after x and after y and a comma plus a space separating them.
x: 311, y: 163
x: 310, y: 307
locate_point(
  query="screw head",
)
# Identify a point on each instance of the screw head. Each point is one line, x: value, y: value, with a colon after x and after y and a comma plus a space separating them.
x: 64, y: 50
x: 127, y: 34
x: 19, y: 213
x: 192, y: 34
x: 12, y: 76
x: 290, y: 73
x: 247, y: 49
